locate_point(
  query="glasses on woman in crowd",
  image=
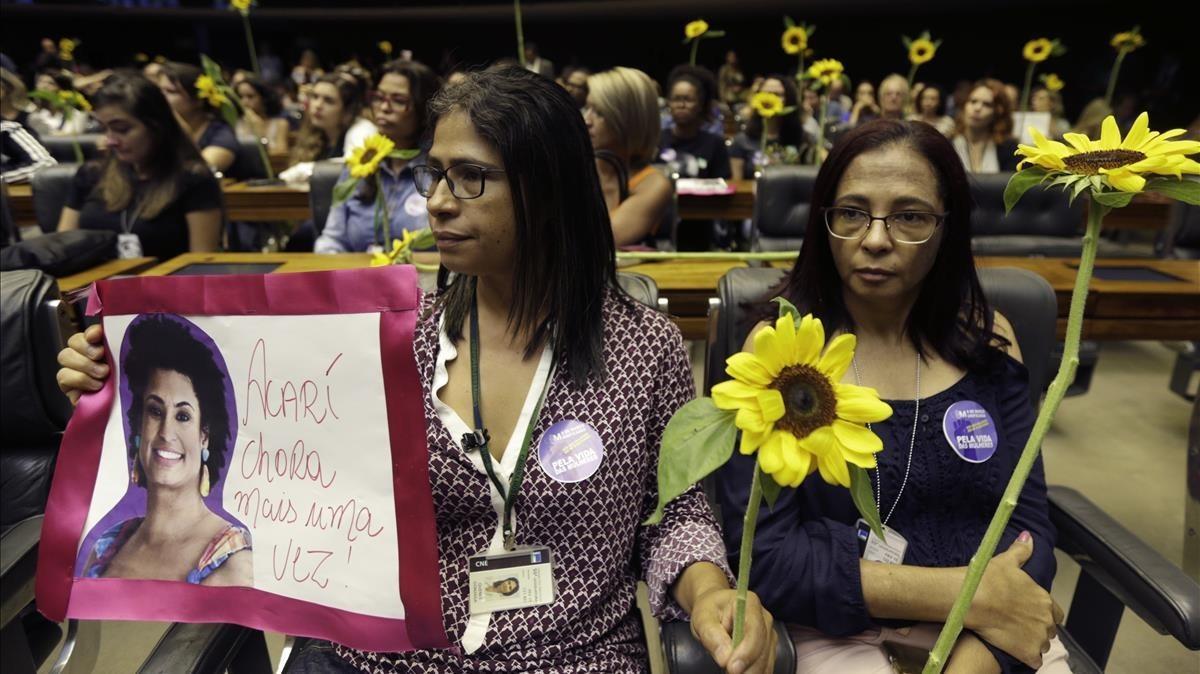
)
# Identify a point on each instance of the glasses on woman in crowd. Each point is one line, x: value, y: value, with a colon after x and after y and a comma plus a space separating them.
x: 904, y: 226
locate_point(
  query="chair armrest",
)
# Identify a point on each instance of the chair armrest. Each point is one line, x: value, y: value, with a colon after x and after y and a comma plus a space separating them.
x: 685, y: 655
x: 210, y: 648
x: 18, y: 565
x: 1154, y: 588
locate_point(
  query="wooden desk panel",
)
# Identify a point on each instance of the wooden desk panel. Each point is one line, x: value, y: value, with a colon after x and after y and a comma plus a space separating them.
x: 109, y: 269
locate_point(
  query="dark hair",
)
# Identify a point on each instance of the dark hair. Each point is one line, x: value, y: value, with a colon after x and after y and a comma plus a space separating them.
x: 423, y: 84
x: 791, y: 130
x: 565, y: 258
x: 516, y: 586
x: 700, y: 78
x: 184, y: 76
x: 164, y: 342
x: 567, y: 71
x: 941, y: 106
x: 951, y: 313
x: 62, y: 79
x: 311, y: 143
x: 269, y: 98
x: 172, y: 155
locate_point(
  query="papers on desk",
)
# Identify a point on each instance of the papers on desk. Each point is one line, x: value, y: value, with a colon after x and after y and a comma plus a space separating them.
x: 703, y: 186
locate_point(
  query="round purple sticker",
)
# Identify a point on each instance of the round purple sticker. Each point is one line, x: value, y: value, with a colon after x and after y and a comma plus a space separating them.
x: 970, y: 431
x: 570, y: 451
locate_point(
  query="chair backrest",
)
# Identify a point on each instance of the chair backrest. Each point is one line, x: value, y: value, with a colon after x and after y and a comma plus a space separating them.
x: 324, y: 177
x: 51, y: 187
x: 1040, y: 212
x: 33, y: 322
x: 781, y: 206
x: 1181, y: 238
x: 62, y: 148
x: 248, y: 161
x: 640, y: 287
x: 667, y: 238
x: 1025, y: 299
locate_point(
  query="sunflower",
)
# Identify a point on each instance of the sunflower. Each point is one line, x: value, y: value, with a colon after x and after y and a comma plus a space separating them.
x: 242, y: 6
x: 365, y: 159
x: 1128, y: 41
x: 1038, y: 50
x: 766, y: 104
x: 385, y: 46
x: 1120, y: 163
x: 1052, y: 81
x: 207, y: 88
x: 695, y: 29
x: 795, y: 40
x: 792, y: 409
x: 826, y: 71
x: 921, y: 51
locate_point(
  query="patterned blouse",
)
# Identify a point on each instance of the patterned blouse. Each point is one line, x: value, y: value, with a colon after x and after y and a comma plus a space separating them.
x: 593, y: 527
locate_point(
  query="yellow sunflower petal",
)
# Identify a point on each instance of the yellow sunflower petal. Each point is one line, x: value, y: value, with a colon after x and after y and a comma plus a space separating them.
x: 1138, y: 133
x: 857, y: 438
x: 1049, y: 146
x: 1173, y: 147
x: 785, y: 338
x: 751, y: 419
x: 747, y: 367
x: 1124, y: 180
x: 766, y: 347
x: 837, y: 357
x: 1078, y: 141
x: 735, y: 395
x: 751, y: 441
x: 833, y: 469
x: 1110, y: 135
x: 770, y: 455
x: 1158, y: 139
x: 810, y: 337
x: 770, y: 402
x: 860, y: 405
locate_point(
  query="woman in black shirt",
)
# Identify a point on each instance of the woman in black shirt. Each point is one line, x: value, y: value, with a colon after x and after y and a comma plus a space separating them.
x: 216, y: 140
x: 153, y: 189
x: 690, y: 150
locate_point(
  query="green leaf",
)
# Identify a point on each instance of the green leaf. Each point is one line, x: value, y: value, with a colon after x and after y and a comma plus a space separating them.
x: 698, y: 440
x: 1080, y: 185
x: 770, y: 488
x: 423, y: 238
x: 786, y: 307
x: 344, y: 189
x: 864, y: 500
x: 211, y: 68
x: 1019, y: 184
x: 907, y: 41
x: 714, y: 33
x: 1113, y: 199
x: 811, y: 30
x: 404, y: 154
x: 788, y: 23
x: 1187, y: 191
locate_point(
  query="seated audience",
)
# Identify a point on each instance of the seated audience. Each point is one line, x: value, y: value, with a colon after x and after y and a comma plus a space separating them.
x: 14, y: 102
x: 930, y: 108
x: 535, y: 63
x: 399, y: 104
x: 984, y: 137
x: 528, y: 302
x: 865, y: 108
x: 782, y: 131
x: 202, y: 121
x: 47, y: 118
x: 887, y: 258
x: 308, y: 70
x: 262, y: 114
x: 1044, y: 100
x: 731, y: 81
x: 21, y: 155
x: 1091, y: 118
x: 689, y: 150
x: 893, y: 93
x: 153, y: 184
x: 574, y: 80
x: 333, y: 110
x: 622, y: 121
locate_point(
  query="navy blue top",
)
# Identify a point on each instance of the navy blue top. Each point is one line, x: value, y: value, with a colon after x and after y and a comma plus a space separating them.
x: 219, y: 134
x: 805, y: 550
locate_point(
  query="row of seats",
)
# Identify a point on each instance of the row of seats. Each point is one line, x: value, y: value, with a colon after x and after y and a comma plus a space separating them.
x: 1118, y: 570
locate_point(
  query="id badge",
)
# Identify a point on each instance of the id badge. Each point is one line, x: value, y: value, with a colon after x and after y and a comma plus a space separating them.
x: 511, y: 580
x: 129, y: 246
x: 374, y: 249
x: 888, y: 551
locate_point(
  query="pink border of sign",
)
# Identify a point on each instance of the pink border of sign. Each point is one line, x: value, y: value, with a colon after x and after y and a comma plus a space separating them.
x: 391, y: 291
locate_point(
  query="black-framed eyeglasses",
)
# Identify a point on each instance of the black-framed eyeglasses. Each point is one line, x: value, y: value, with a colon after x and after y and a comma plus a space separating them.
x: 903, y: 226
x: 398, y: 103
x: 466, y: 181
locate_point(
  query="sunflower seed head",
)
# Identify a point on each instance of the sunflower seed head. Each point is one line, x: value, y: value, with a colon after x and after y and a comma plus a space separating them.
x: 1090, y: 163
x: 808, y: 399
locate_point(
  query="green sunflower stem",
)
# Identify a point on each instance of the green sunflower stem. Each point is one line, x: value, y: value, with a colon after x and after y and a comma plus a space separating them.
x: 383, y: 209
x: 1024, y: 107
x: 749, y: 522
x: 823, y: 105
x: 520, y: 33
x: 266, y: 159
x: 250, y: 46
x: 762, y: 145
x: 912, y: 75
x: 695, y: 49
x: 1054, y: 396
x: 1112, y: 79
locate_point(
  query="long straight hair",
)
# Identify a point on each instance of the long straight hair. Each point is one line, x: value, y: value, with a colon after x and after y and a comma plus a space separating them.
x: 172, y: 152
x: 565, y: 260
x: 951, y: 314
x: 311, y: 143
x: 423, y: 84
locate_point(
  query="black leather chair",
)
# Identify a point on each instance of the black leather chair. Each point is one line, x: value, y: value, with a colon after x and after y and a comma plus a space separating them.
x: 781, y: 205
x: 1181, y: 240
x: 51, y: 187
x: 248, y: 162
x: 62, y: 148
x: 33, y: 323
x: 667, y: 237
x: 1118, y: 570
x: 320, y: 191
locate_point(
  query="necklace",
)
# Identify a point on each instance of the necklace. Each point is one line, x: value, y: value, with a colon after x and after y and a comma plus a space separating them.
x: 912, y: 441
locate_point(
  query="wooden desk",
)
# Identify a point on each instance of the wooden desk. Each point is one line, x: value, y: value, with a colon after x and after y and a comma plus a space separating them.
x: 109, y: 269
x: 266, y: 203
x: 1115, y: 310
x: 736, y: 206
x: 20, y: 202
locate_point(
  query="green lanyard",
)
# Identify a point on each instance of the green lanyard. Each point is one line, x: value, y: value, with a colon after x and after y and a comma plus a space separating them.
x: 479, y: 439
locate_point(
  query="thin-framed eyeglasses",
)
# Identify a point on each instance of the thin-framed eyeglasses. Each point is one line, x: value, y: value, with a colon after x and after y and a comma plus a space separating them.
x: 397, y: 103
x: 911, y: 227
x: 466, y: 181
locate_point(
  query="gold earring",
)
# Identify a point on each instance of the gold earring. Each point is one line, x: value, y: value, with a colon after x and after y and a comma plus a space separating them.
x: 204, y: 486
x: 133, y: 474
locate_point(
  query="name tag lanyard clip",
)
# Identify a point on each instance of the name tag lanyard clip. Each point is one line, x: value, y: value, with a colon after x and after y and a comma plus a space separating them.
x: 911, y: 444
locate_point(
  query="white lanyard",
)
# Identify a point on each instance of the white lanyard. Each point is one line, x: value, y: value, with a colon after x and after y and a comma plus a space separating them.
x: 911, y: 443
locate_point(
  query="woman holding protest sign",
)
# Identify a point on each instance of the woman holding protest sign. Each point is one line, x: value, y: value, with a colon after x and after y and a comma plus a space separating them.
x: 560, y: 364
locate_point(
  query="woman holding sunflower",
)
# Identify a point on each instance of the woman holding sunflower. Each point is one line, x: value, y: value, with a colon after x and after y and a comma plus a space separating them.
x: 891, y: 210
x: 781, y: 131
x: 197, y: 103
x: 398, y: 106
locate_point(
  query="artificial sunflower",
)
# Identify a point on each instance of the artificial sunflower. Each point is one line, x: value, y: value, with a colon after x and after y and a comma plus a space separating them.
x: 766, y: 104
x: 795, y: 40
x: 242, y: 6
x: 826, y: 71
x: 1128, y: 40
x: 1120, y: 163
x: 1038, y: 50
x: 365, y: 159
x: 1052, y: 81
x: 792, y: 408
x: 695, y: 29
x: 921, y: 51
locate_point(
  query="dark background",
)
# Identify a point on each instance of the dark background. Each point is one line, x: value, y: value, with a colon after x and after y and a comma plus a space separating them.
x: 981, y: 37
